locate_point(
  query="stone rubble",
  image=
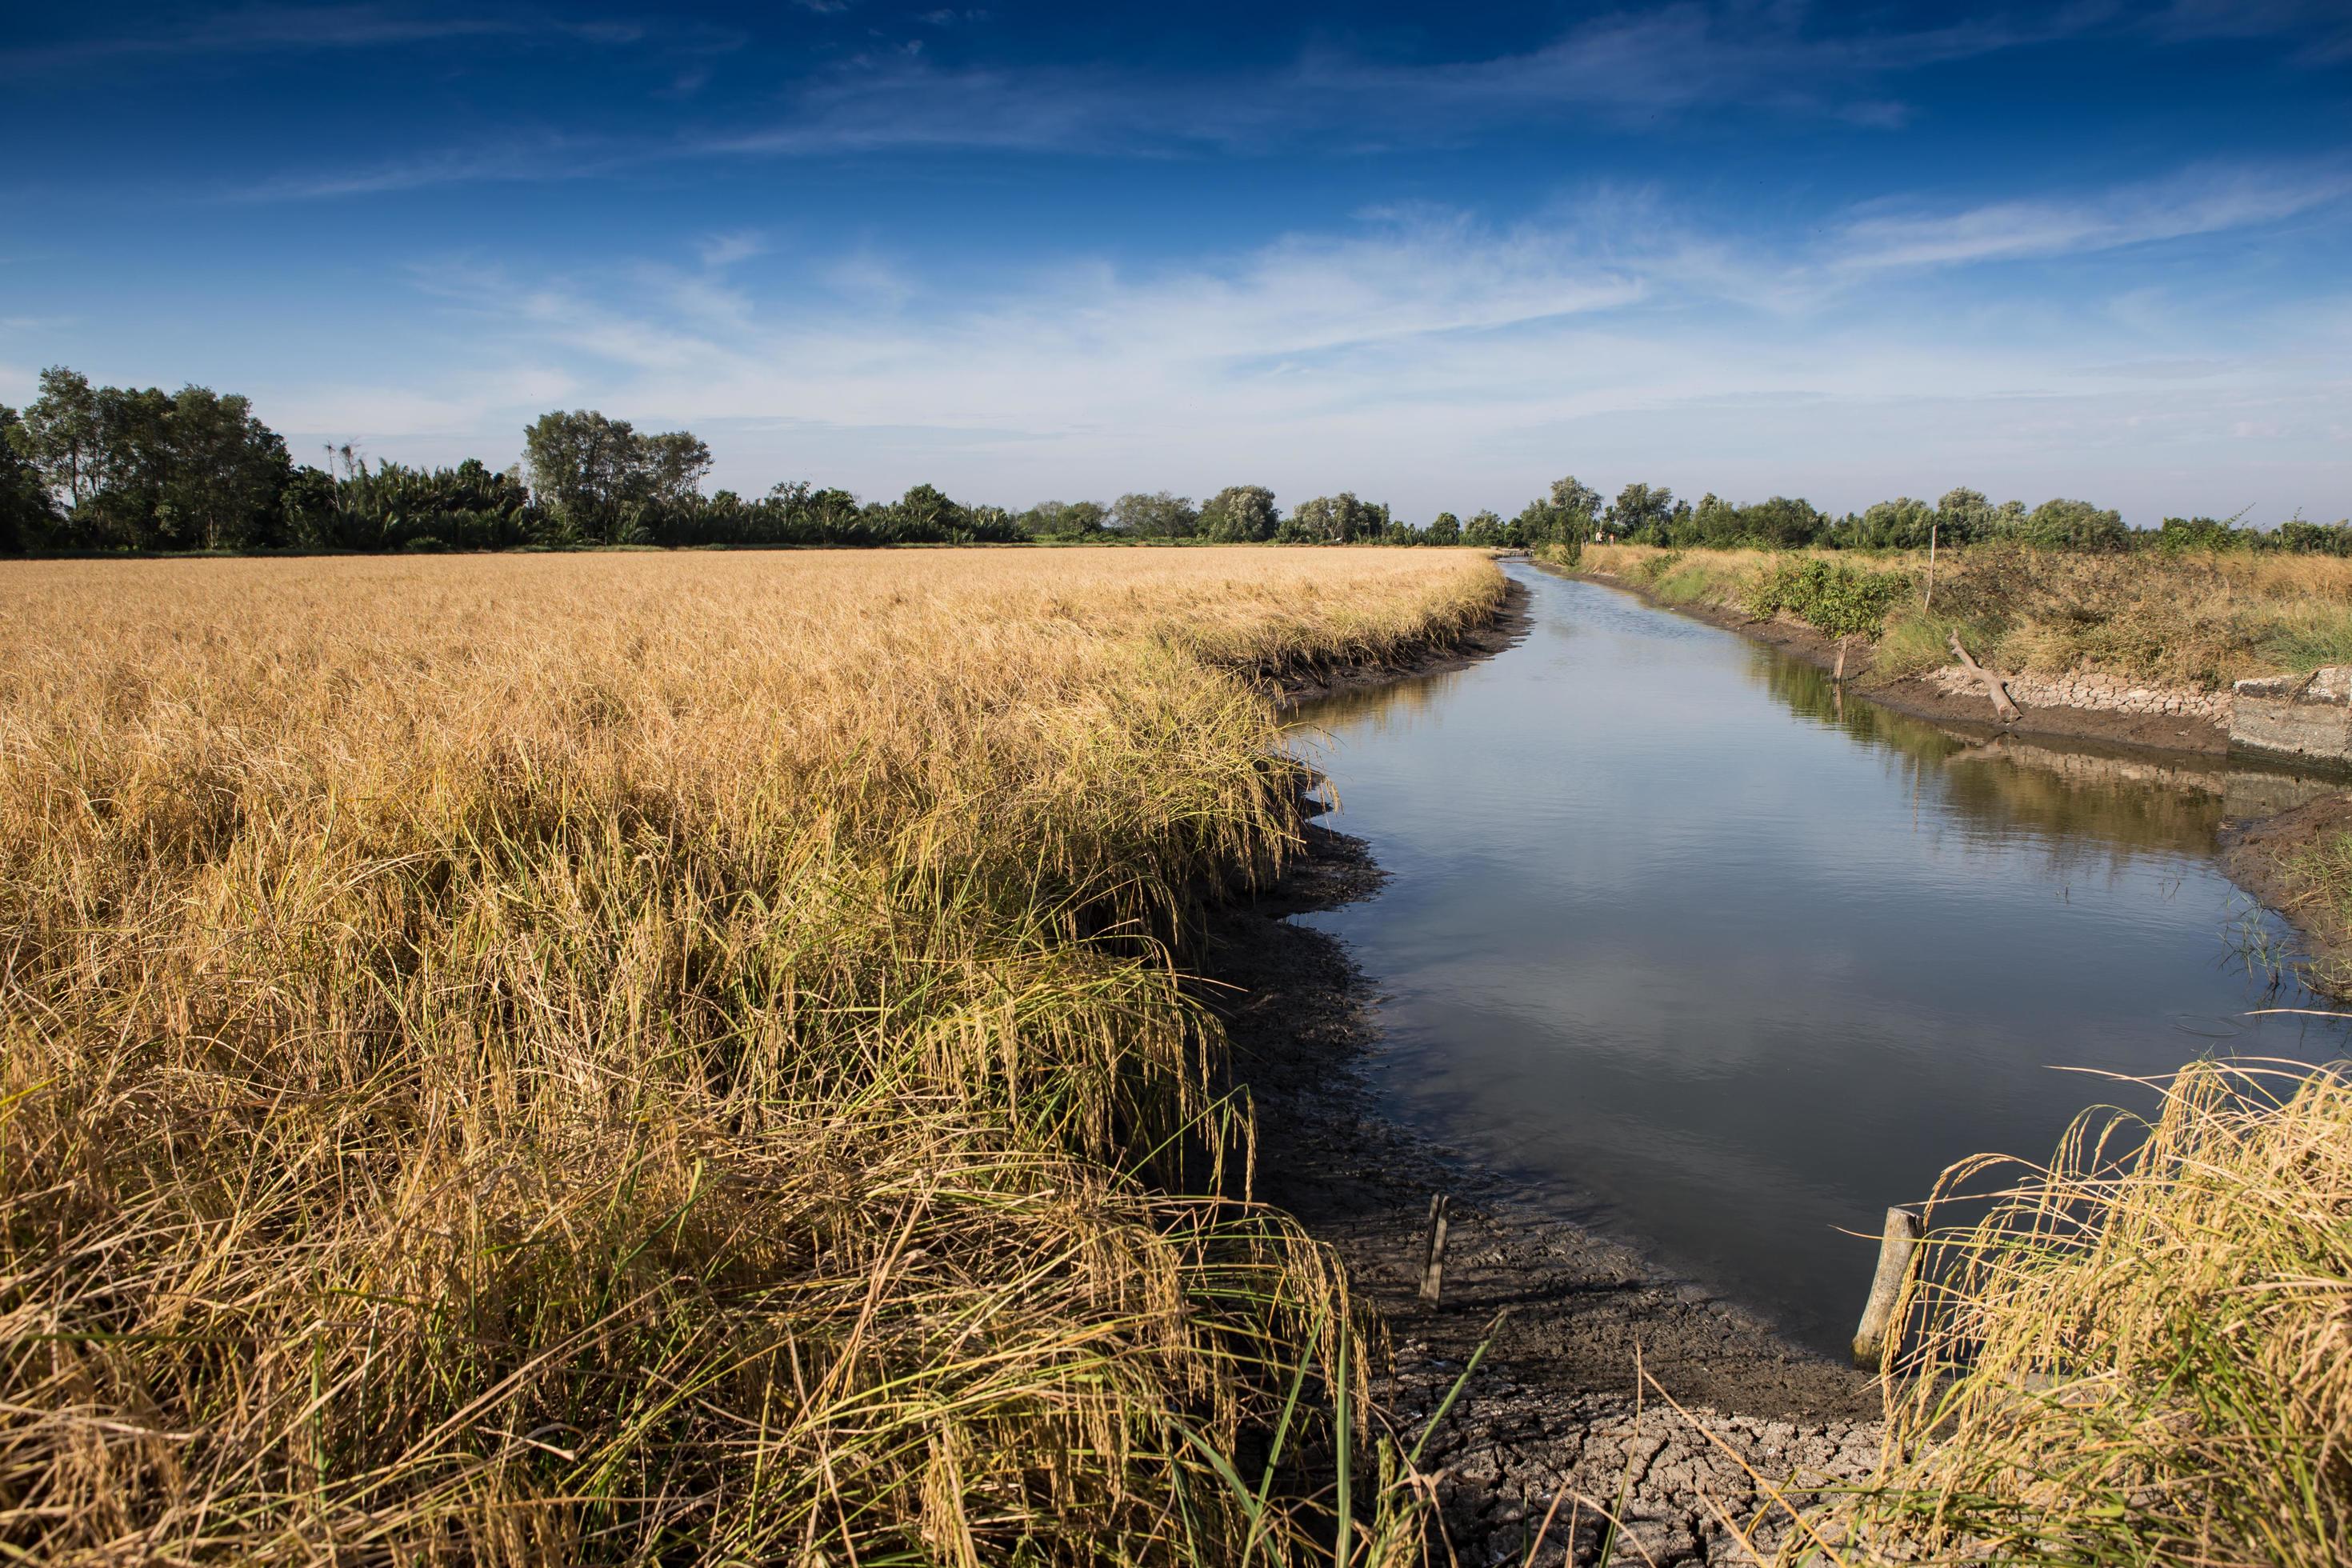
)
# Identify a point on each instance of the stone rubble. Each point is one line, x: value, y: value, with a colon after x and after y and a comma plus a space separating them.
x: 2106, y: 693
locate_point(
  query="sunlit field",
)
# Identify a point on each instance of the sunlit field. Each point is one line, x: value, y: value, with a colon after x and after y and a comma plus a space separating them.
x: 626, y: 1057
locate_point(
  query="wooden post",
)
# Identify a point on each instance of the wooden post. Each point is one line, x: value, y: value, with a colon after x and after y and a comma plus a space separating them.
x: 1895, y: 1249
x: 1929, y: 602
x: 1995, y: 688
x: 1433, y: 1258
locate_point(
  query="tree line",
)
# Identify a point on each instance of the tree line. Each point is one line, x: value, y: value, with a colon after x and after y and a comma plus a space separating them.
x: 1644, y: 515
x: 85, y: 467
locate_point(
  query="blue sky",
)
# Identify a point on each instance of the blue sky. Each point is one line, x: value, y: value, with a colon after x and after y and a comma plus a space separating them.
x: 1435, y: 256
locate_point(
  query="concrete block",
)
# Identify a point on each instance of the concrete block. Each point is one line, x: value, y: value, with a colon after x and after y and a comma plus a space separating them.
x: 2297, y: 716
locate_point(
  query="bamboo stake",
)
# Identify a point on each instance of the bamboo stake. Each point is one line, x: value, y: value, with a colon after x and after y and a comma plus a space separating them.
x: 1433, y: 1258
x: 1895, y: 1249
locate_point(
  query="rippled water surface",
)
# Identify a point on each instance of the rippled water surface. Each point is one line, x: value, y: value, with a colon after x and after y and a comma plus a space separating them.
x: 1726, y: 965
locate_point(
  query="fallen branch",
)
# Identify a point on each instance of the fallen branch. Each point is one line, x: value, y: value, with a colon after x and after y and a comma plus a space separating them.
x: 1995, y: 688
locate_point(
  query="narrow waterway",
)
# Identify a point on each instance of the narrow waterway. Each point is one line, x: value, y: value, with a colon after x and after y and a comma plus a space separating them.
x: 1726, y: 966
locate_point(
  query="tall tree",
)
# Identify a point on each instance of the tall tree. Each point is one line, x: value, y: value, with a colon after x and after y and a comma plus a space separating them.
x: 139, y: 468
x: 1240, y: 514
x: 226, y: 471
x: 925, y: 515
x: 598, y: 475
x: 1159, y: 515
x: 1962, y: 515
x: 1153, y: 516
x: 676, y: 462
x: 26, y: 513
x: 2075, y: 525
x: 61, y: 436
x: 1335, y: 519
x: 1563, y: 516
x: 1638, y: 511
x: 1064, y: 519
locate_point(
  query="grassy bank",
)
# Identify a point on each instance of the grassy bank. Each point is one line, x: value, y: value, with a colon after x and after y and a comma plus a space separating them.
x: 2190, y: 619
x: 649, y: 1057
x: 2139, y: 1354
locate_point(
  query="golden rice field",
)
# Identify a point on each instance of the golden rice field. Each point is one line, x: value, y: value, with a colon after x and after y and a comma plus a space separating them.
x: 2138, y: 1352
x: 638, y: 1059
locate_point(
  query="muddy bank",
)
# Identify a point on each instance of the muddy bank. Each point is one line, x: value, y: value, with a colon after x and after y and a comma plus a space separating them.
x: 1921, y: 697
x: 2260, y: 856
x: 1506, y: 626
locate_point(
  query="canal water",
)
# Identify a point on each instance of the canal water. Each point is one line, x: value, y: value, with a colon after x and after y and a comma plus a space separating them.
x: 1723, y: 965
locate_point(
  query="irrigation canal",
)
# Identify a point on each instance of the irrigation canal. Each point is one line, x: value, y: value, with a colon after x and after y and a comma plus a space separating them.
x: 1723, y: 965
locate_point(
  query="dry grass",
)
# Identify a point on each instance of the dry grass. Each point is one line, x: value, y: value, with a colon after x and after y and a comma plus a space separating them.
x: 632, y: 1058
x: 2199, y: 620
x: 2143, y: 1353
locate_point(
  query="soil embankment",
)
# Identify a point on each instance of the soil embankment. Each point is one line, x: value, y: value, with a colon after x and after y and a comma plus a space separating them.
x: 2269, y: 857
x: 1556, y: 1412
x: 1921, y: 697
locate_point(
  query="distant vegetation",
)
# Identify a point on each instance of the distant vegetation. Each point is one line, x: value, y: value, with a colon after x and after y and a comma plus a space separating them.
x: 117, y: 468
x: 113, y: 468
x: 1642, y: 515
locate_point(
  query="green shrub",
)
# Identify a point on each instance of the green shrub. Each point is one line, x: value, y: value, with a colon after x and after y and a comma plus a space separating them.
x: 1833, y: 597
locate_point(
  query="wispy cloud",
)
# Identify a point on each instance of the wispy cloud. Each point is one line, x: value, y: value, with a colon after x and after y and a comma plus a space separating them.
x: 1628, y: 71
x: 2322, y: 29
x: 543, y: 157
x: 1639, y: 66
x: 719, y: 251
x: 1422, y: 345
x: 270, y: 29
x: 2201, y: 201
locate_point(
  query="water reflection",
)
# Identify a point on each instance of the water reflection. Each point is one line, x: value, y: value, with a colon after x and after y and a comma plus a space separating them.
x: 2117, y: 797
x: 1728, y: 963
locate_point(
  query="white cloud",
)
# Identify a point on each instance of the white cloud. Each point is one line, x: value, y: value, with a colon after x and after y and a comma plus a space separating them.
x: 2201, y: 201
x: 719, y: 251
x: 1436, y: 361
